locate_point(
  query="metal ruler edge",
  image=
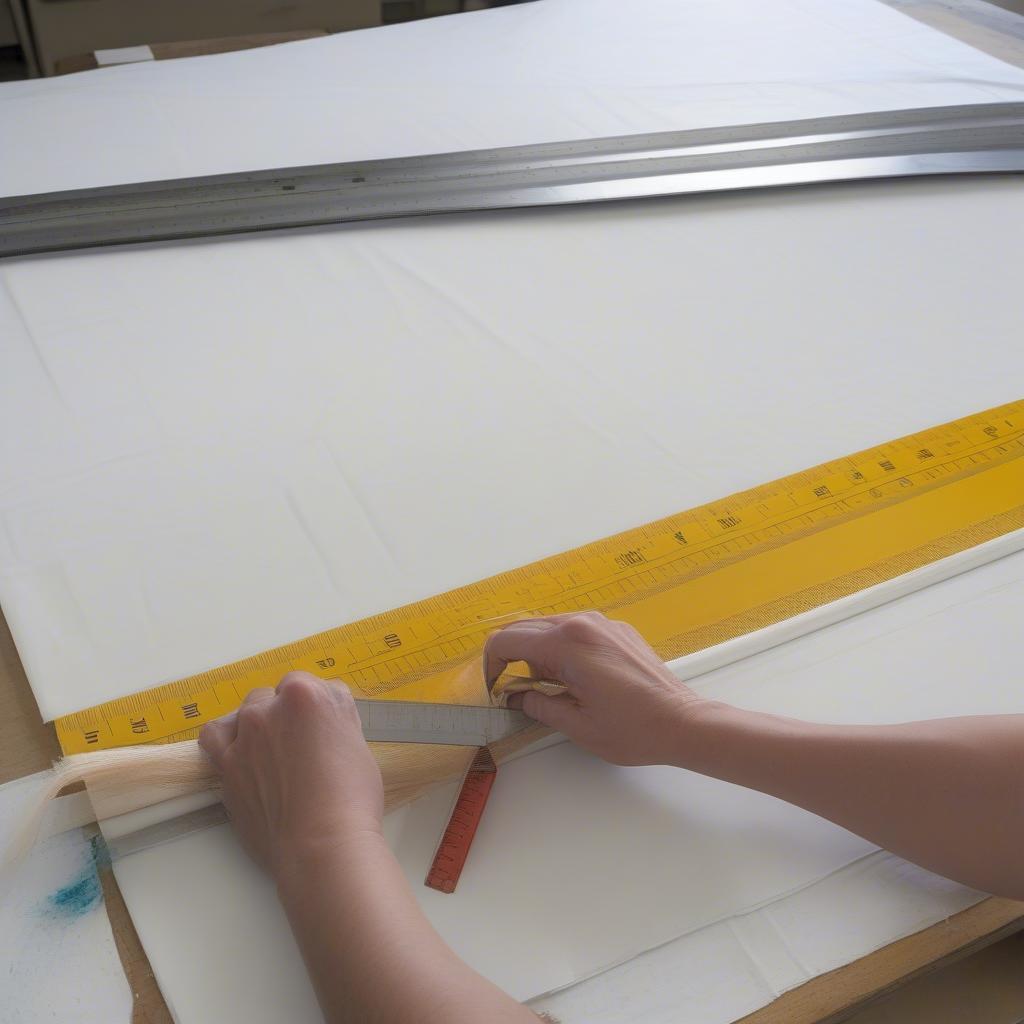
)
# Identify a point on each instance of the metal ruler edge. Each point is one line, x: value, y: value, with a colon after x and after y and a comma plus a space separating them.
x: 977, y: 138
x: 968, y: 473
x: 461, y: 725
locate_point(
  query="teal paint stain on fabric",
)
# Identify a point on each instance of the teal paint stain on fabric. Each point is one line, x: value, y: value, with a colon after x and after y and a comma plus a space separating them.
x: 84, y: 892
x: 78, y: 897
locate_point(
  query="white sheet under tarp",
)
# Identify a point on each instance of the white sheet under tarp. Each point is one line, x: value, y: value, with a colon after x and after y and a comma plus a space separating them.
x: 343, y: 377
x: 209, y: 449
x: 540, y: 72
x: 600, y: 400
x: 213, y: 449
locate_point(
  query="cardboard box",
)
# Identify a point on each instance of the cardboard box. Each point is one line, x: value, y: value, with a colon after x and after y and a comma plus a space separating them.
x: 168, y: 51
x: 66, y: 28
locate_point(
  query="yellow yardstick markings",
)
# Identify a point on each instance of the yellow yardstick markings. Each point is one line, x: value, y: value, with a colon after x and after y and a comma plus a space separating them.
x: 686, y: 582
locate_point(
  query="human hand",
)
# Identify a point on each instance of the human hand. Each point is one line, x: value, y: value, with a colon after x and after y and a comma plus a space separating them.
x: 621, y: 702
x: 297, y: 775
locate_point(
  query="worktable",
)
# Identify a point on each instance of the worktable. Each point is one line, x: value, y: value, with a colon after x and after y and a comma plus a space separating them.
x: 29, y: 746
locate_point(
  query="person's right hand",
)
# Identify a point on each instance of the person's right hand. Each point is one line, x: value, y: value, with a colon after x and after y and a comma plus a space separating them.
x: 621, y: 702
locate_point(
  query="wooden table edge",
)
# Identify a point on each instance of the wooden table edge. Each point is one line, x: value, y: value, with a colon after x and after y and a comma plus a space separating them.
x: 829, y: 998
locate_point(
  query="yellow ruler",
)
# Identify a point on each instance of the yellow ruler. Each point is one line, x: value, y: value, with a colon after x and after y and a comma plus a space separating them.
x: 686, y: 582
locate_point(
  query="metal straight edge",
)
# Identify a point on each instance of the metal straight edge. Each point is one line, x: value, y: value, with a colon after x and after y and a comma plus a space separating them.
x: 983, y: 138
x: 396, y: 721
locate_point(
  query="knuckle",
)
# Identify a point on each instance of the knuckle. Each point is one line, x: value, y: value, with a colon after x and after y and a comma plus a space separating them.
x: 293, y: 680
x: 583, y: 626
x: 252, y: 719
x: 247, y: 711
x: 298, y: 688
x: 575, y: 629
x: 253, y: 699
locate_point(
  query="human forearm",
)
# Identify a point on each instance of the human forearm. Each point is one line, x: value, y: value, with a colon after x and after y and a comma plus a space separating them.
x: 370, y: 951
x: 947, y: 794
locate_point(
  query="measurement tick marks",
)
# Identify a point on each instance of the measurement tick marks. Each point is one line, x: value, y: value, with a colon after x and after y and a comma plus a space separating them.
x: 686, y: 582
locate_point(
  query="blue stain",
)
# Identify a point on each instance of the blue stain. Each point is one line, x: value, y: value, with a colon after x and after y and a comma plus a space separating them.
x: 84, y: 892
x: 77, y: 897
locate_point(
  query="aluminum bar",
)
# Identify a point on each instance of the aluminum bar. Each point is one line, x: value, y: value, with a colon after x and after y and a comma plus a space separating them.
x: 986, y: 138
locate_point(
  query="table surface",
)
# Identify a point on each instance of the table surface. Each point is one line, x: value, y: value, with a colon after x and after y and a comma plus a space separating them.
x: 29, y: 745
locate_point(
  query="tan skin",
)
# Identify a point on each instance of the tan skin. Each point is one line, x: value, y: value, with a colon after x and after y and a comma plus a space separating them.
x: 306, y: 798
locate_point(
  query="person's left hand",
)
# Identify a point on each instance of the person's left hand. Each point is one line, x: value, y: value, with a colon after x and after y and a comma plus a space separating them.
x: 297, y: 775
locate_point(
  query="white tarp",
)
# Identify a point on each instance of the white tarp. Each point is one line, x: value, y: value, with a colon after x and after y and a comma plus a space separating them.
x: 209, y: 449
